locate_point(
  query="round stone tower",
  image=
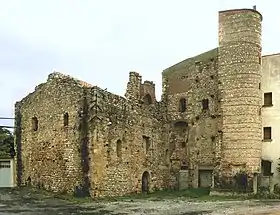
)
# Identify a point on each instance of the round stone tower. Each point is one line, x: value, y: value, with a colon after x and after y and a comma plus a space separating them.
x: 239, y: 80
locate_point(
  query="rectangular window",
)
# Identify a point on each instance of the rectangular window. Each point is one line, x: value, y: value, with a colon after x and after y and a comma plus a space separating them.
x: 205, y: 104
x: 266, y: 168
x: 267, y: 101
x: 267, y: 133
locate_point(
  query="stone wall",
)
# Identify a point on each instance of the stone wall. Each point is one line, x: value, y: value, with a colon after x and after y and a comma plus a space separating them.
x: 240, y: 77
x: 50, y: 153
x: 108, y: 145
x: 127, y: 139
x: 207, y: 120
x: 193, y: 133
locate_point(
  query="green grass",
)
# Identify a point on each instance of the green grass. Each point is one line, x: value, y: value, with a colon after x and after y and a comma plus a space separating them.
x: 190, y: 194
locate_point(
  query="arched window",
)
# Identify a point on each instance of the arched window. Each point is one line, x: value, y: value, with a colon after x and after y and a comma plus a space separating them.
x: 66, y: 119
x: 119, y: 148
x: 147, y: 99
x: 182, y: 105
x: 34, y: 123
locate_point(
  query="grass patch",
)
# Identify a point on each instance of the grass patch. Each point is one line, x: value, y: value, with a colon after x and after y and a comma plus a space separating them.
x: 190, y: 194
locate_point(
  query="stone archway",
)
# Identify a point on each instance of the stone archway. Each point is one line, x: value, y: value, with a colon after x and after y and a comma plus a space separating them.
x: 145, y: 182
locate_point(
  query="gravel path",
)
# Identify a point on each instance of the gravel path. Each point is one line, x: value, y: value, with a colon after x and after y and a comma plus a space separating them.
x: 24, y: 202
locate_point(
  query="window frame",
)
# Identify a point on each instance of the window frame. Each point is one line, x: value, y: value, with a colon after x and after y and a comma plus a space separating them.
x: 265, y: 139
x: 266, y: 104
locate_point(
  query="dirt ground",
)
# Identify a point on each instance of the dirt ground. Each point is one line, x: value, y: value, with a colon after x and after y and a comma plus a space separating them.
x: 26, y: 202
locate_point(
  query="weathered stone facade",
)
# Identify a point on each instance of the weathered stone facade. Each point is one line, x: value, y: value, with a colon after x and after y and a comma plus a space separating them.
x: 85, y: 139
x: 240, y: 76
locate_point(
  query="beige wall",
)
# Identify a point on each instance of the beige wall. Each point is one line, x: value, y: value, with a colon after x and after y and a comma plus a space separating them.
x: 271, y: 115
x: 50, y: 156
x: 194, y: 79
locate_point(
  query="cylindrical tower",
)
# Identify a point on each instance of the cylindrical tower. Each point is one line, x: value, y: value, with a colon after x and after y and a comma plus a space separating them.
x: 239, y: 78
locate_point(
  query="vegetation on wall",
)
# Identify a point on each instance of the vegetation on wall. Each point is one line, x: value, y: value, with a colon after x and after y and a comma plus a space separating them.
x: 278, y: 165
x: 6, y: 143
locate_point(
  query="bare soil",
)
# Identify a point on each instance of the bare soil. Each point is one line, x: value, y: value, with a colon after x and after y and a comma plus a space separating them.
x: 25, y: 201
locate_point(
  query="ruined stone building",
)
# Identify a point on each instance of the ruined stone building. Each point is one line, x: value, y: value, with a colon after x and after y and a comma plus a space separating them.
x: 75, y: 137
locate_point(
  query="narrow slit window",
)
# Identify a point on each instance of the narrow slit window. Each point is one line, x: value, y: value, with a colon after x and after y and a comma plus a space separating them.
x: 182, y: 105
x: 119, y: 148
x: 66, y: 119
x: 34, y: 124
x: 146, y: 144
x: 205, y: 104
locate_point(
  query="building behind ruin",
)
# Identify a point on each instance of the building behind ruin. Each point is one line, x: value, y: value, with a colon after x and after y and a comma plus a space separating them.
x: 75, y: 137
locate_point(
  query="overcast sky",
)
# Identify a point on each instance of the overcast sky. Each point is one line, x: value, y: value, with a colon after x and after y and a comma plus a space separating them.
x: 101, y: 41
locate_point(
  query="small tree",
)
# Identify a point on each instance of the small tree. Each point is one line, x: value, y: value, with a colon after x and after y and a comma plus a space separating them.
x: 6, y: 143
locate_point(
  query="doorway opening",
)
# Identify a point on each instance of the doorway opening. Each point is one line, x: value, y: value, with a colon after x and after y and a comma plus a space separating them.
x: 145, y: 182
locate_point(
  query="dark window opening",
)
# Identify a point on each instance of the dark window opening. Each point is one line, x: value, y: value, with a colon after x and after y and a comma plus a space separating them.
x: 182, y: 105
x: 266, y: 168
x: 66, y: 119
x: 183, y: 144
x: 147, y: 99
x: 181, y: 127
x: 167, y: 159
x: 267, y: 133
x: 205, y: 104
x: 212, y: 77
x: 34, y: 123
x: 259, y: 85
x: 260, y: 60
x: 146, y: 144
x: 267, y: 99
x: 119, y: 148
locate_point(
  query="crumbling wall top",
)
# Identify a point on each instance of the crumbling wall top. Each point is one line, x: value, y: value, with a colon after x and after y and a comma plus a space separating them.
x: 149, y: 83
x: 58, y: 75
